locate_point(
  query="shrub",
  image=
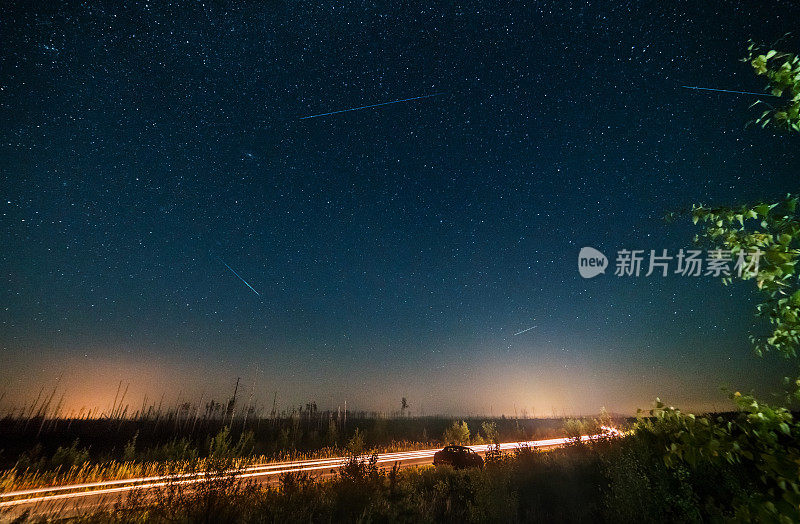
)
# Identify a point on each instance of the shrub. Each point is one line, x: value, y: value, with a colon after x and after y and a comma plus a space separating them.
x: 490, y: 434
x: 356, y: 443
x: 66, y: 458
x: 574, y: 429
x: 458, y: 433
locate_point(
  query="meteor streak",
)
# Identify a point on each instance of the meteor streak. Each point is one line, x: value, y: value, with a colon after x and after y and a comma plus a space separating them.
x: 726, y: 91
x: 523, y: 331
x: 240, y: 278
x: 371, y: 105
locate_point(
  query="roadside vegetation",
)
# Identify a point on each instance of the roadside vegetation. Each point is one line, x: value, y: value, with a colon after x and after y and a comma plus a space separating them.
x: 610, y: 480
x: 36, y: 453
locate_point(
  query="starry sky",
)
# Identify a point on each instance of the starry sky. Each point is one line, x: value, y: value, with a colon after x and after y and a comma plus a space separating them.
x: 150, y: 149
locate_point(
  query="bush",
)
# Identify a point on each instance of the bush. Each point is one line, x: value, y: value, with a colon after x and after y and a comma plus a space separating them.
x: 355, y: 445
x: 574, y: 429
x: 66, y: 458
x: 490, y: 434
x: 458, y: 433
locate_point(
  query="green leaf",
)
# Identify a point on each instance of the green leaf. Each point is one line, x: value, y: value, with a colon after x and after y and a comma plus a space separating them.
x: 762, y: 209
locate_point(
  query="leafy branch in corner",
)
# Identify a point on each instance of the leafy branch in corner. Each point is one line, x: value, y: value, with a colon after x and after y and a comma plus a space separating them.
x: 782, y: 71
x: 773, y: 231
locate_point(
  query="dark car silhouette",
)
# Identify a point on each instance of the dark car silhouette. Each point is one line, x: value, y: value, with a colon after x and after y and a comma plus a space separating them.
x: 458, y: 457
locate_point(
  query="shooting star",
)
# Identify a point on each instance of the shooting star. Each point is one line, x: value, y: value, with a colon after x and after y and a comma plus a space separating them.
x: 240, y: 278
x: 727, y: 91
x: 523, y: 331
x: 369, y: 106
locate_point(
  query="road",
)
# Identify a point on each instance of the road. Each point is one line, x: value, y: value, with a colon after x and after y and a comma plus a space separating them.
x: 76, y: 499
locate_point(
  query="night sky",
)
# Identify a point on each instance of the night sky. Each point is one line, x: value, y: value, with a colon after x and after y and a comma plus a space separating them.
x: 395, y: 250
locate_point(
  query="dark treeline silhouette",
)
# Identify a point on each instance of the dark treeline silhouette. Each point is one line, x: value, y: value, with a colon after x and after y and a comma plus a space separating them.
x: 155, y: 434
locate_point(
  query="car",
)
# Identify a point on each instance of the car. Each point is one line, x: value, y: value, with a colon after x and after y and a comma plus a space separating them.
x: 458, y: 457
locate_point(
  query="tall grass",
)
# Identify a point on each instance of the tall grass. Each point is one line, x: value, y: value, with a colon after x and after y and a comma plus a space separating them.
x: 620, y: 480
x: 40, y: 445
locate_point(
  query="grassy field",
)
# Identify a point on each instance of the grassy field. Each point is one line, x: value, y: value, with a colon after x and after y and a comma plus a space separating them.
x: 614, y: 480
x: 621, y: 480
x: 36, y: 450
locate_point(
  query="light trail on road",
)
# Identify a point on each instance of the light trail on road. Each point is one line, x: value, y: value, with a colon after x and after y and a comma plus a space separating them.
x: 50, y: 494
